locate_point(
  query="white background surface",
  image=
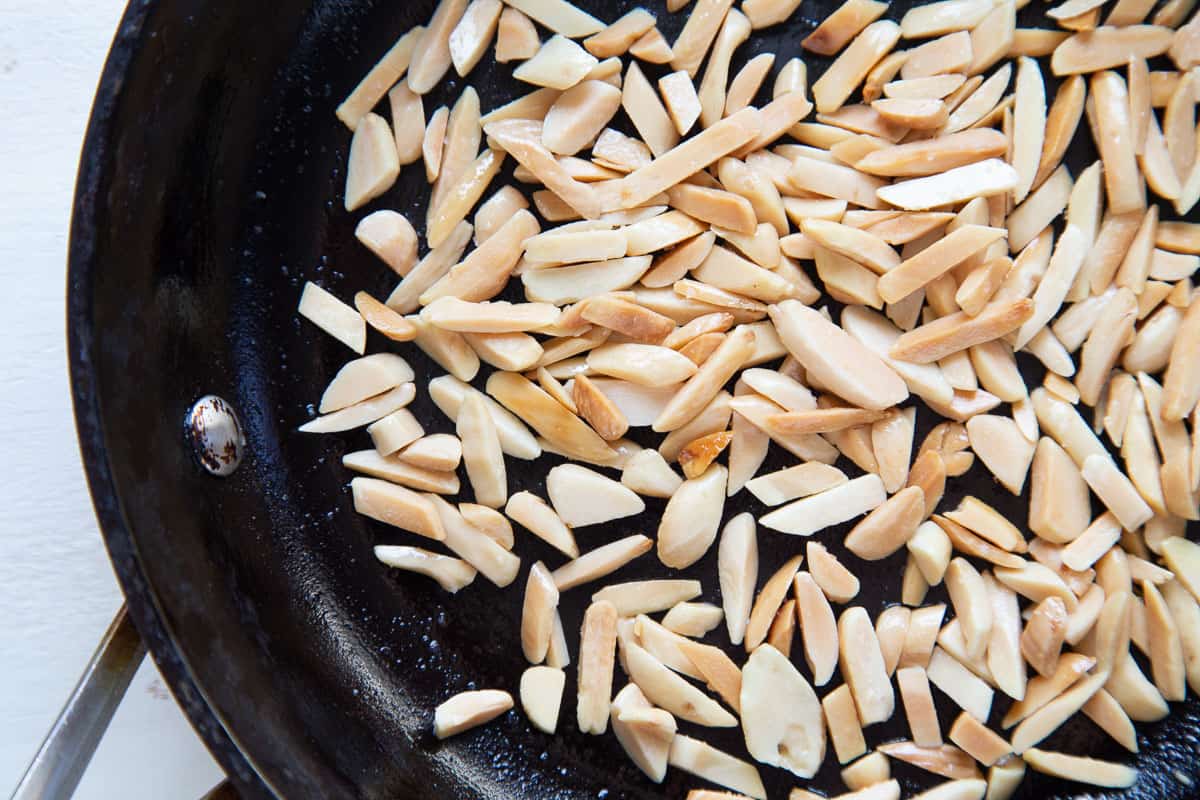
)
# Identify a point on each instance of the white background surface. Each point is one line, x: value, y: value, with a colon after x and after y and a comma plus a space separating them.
x: 57, y: 591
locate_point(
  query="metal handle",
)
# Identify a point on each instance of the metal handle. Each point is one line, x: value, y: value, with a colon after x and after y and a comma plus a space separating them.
x: 68, y: 747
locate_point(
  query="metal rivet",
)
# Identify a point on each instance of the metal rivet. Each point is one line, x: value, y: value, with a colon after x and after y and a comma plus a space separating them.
x: 216, y: 435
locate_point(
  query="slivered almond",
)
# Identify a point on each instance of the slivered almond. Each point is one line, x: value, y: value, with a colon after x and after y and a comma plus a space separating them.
x: 981, y: 179
x: 1035, y: 582
x: 904, y: 278
x: 844, y: 727
x: 913, y: 586
x: 889, y: 527
x: 821, y: 420
x: 1044, y: 633
x: 918, y: 707
x: 531, y: 512
x: 600, y: 562
x: 597, y: 652
x: 947, y: 760
x: 688, y: 158
x: 467, y: 710
x: 891, y: 628
x: 1166, y: 645
x: 671, y: 692
x: 978, y: 741
x: 647, y: 597
x: 956, y: 332
x: 972, y: 606
x: 948, y: 53
x: 863, y: 246
x: 1107, y: 47
x: 852, y: 65
x: 1081, y: 769
x: 1004, y: 451
x: 707, y: 380
x: 1004, y: 659
x: 451, y: 574
x: 598, y: 410
x: 930, y: 548
x: 1042, y: 690
x: 769, y: 600
x: 541, y: 696
x: 475, y: 547
x: 969, y: 692
x: 695, y: 457
x: 548, y: 417
x: 825, y: 350
x: 818, y: 627
x: 749, y: 79
x: 704, y: 761
x: 689, y: 523
x: 724, y: 209
x: 863, y: 667
x: 490, y: 521
x: 439, y: 452
x: 537, y: 616
x: 830, y: 507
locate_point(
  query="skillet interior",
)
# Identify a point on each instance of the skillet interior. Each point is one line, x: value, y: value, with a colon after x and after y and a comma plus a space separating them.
x: 209, y: 192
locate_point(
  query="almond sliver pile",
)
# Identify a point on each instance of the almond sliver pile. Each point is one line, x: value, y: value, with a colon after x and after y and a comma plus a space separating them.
x: 680, y: 221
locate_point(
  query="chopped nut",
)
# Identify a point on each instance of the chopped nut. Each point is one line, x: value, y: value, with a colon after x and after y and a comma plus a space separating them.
x: 1078, y: 768
x: 531, y: 512
x: 597, y: 651
x: 793, y: 739
x: 705, y: 761
x: 541, y: 696
x: 947, y: 760
x: 889, y: 526
x: 830, y: 507
x: 601, y: 561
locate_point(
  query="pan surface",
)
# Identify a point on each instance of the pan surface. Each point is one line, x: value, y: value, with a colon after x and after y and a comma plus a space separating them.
x: 209, y: 192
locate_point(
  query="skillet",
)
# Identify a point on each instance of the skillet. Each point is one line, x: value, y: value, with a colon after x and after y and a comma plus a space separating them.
x: 209, y: 191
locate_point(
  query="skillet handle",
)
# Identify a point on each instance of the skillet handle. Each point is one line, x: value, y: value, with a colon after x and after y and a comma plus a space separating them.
x: 68, y: 747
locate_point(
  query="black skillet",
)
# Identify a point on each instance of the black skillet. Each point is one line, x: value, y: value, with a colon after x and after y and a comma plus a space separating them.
x: 209, y: 191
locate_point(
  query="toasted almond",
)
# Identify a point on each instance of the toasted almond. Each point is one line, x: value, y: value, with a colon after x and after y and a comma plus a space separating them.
x: 1135, y: 693
x: 537, y: 616
x: 888, y: 527
x: 1044, y: 633
x: 958, y: 331
x: 824, y: 350
x: 578, y: 116
x: 756, y: 409
x: 1184, y: 612
x: 835, y: 181
x: 541, y: 696
x: 704, y: 761
x: 830, y: 507
x: 447, y: 394
x: 448, y: 348
x: 863, y: 667
x: 1084, y: 618
x: 936, y: 260
x: 689, y: 523
x: 671, y: 692
x: 548, y: 417
x: 749, y: 79
x: 531, y: 512
x: 1166, y: 645
x: 852, y: 65
x: 699, y: 453
x: 947, y: 760
x: 397, y: 506
x: 845, y: 280
x: 451, y: 574
x: 842, y: 721
x: 913, y: 586
x: 993, y: 37
x: 467, y: 710
x: 958, y: 184
x: 688, y: 158
x: 821, y: 420
x: 1083, y: 770
x: 1041, y: 690
x: 490, y: 521
x: 618, y: 37
x: 794, y: 740
x: 1035, y: 582
x: 978, y: 741
x: 1004, y: 659
x: 598, y: 410
x: 475, y: 547
x: 818, y: 626
x: 597, y: 651
x: 930, y: 548
x: 956, y: 681
x: 869, y: 771
x: 584, y: 497
x: 601, y: 561
x: 644, y: 732
x: 384, y: 319
x: 647, y: 597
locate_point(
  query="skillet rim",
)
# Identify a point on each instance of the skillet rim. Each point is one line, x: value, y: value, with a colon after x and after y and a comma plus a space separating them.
x: 143, y: 605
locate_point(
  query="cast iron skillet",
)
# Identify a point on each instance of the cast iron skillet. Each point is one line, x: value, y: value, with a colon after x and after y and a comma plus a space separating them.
x: 209, y: 191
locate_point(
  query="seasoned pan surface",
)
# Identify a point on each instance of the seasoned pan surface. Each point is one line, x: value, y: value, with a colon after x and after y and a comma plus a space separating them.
x: 210, y: 190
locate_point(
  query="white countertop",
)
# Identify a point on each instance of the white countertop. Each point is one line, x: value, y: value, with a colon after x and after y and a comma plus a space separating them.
x: 57, y: 589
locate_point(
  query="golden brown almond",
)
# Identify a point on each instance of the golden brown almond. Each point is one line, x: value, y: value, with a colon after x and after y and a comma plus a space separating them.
x: 978, y: 741
x: 852, y: 65
x: 956, y: 332
x: 844, y: 728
